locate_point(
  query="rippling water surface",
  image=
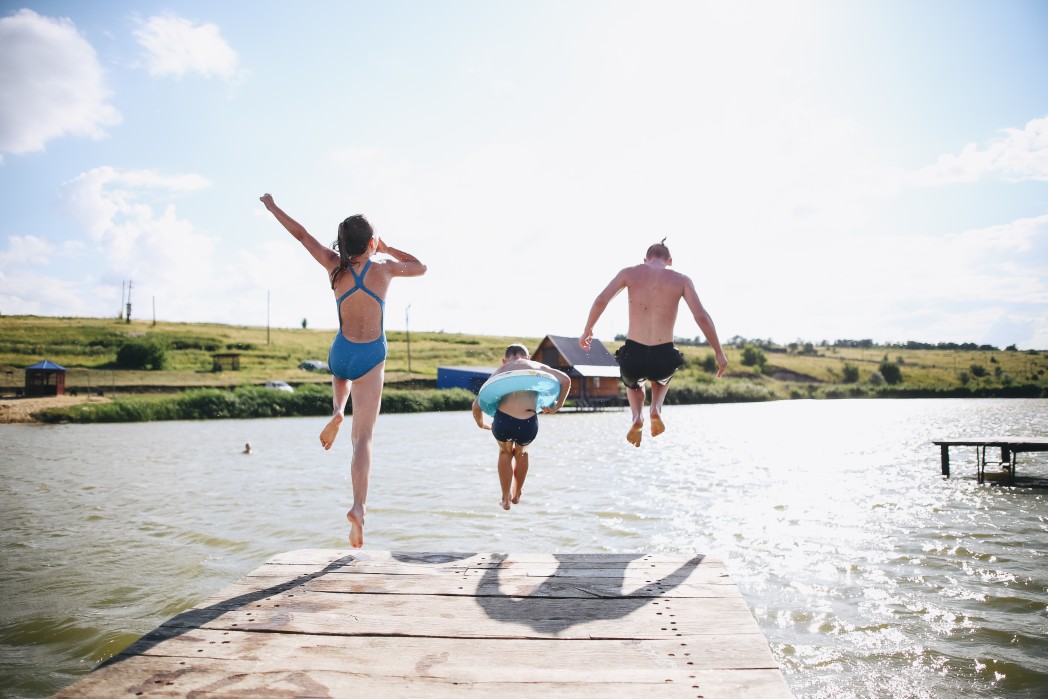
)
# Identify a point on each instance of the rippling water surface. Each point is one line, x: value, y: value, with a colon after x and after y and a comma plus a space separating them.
x: 870, y: 575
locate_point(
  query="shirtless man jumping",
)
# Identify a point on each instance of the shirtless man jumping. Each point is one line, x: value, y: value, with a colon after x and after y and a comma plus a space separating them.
x: 654, y: 293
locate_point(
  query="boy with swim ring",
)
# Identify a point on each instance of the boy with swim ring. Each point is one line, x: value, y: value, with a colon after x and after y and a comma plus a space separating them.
x: 357, y: 358
x: 654, y: 292
x: 515, y: 423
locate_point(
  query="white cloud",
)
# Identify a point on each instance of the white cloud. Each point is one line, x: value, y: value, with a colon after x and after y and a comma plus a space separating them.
x: 52, y: 84
x: 26, y: 249
x: 118, y: 212
x: 1016, y: 156
x: 175, y: 46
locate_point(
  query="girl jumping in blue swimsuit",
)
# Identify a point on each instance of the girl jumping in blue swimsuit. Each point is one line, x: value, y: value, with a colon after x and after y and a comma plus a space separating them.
x: 357, y: 358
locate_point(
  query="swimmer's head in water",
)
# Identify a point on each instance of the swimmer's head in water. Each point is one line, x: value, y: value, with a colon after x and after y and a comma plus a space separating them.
x: 517, y: 351
x: 658, y: 251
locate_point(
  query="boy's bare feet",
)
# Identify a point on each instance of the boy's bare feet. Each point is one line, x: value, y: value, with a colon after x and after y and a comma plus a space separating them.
x: 330, y: 431
x: 356, y: 528
x: 504, y: 503
x: 516, y: 493
x: 635, y: 433
x: 657, y: 427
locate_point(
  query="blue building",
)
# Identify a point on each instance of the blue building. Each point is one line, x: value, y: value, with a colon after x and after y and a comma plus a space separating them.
x: 468, y: 377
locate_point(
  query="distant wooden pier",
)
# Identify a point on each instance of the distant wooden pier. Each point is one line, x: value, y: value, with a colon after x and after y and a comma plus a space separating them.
x: 327, y: 623
x: 1009, y: 446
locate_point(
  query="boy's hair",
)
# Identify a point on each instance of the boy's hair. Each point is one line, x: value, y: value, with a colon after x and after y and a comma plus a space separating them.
x: 659, y: 250
x: 517, y: 350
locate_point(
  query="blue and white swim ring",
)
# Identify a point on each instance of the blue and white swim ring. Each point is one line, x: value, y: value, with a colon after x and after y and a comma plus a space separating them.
x: 499, y: 385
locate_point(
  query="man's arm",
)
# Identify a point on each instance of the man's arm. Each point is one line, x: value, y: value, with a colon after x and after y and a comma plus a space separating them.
x: 603, y: 299
x: 321, y: 253
x: 705, y: 323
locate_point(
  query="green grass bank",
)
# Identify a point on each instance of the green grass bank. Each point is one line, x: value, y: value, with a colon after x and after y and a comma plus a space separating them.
x: 176, y: 378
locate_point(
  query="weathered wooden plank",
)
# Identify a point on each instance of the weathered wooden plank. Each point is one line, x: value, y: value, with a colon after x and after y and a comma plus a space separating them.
x: 465, y: 659
x: 171, y: 677
x: 480, y: 617
x: 524, y: 568
x: 450, y: 585
x: 322, y: 557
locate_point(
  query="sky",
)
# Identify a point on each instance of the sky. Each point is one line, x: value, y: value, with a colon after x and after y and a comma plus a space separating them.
x: 872, y: 169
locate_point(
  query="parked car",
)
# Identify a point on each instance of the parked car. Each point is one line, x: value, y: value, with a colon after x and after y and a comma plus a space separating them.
x: 314, y: 365
x: 280, y: 386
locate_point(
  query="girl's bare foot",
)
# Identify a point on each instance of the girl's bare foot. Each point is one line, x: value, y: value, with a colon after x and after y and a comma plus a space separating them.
x: 330, y: 431
x: 505, y: 504
x: 516, y: 494
x: 657, y: 427
x: 635, y: 433
x: 356, y: 528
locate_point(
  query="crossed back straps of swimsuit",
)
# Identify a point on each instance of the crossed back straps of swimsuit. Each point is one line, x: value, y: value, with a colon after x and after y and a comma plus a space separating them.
x: 358, y: 283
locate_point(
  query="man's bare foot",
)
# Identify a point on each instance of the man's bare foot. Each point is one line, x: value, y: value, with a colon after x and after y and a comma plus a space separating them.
x: 657, y: 427
x: 330, y: 431
x: 635, y: 433
x: 356, y: 529
x: 516, y: 493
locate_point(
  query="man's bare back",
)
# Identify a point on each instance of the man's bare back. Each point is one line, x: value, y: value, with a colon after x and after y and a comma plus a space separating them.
x: 654, y: 294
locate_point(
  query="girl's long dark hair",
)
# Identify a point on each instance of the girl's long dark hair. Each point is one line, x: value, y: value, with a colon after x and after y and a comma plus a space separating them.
x: 354, y: 235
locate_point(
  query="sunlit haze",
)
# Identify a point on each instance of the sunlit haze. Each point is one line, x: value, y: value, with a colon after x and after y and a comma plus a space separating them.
x: 822, y: 170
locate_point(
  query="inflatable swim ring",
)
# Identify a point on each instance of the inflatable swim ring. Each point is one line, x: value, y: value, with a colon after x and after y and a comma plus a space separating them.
x: 545, y: 385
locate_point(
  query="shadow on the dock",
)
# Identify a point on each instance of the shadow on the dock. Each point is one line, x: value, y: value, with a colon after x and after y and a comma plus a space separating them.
x: 535, y: 610
x: 194, y: 618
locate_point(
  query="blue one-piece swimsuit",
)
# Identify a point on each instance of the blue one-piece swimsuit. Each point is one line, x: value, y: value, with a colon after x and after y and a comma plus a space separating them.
x: 351, y: 360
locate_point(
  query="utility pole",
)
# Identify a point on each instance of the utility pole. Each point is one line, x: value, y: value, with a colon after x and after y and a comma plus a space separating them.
x: 407, y: 328
x: 128, y: 319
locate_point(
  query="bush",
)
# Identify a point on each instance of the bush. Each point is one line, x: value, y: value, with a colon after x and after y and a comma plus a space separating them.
x: 890, y: 372
x: 709, y: 364
x: 851, y: 373
x: 977, y: 370
x: 754, y: 356
x: 876, y: 378
x: 141, y: 354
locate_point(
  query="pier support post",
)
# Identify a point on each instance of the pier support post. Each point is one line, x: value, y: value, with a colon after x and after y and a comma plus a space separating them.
x: 944, y: 452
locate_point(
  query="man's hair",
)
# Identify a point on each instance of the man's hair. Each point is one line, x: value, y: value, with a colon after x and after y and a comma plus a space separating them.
x: 517, y: 350
x: 658, y: 250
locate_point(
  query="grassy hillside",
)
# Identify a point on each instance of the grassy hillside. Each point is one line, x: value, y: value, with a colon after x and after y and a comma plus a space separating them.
x: 88, y: 348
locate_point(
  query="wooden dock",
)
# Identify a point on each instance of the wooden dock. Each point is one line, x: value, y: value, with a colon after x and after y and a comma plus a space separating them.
x: 1009, y: 446
x: 327, y: 623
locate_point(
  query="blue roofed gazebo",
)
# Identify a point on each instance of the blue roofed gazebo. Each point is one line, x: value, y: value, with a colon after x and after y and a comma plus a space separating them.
x: 45, y: 379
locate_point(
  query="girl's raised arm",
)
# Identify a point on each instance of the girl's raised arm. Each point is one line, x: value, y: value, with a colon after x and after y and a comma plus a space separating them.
x: 406, y: 265
x: 321, y: 253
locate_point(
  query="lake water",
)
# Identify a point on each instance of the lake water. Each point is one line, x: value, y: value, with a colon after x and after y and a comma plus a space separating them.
x: 870, y: 574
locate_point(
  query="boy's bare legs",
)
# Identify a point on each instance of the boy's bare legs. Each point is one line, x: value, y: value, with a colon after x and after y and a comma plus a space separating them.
x: 340, y: 389
x: 367, y: 397
x: 520, y: 471
x: 635, y: 396
x: 505, y: 471
x: 658, y: 395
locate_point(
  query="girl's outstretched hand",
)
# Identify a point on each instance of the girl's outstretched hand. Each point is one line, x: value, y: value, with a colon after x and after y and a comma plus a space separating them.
x: 266, y: 199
